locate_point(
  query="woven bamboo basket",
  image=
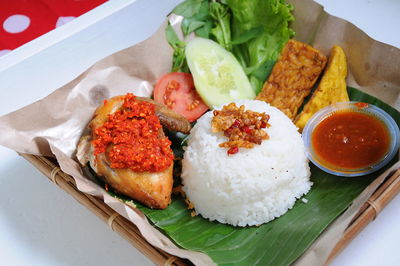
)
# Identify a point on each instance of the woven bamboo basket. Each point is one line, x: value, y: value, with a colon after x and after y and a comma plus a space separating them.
x: 368, y: 212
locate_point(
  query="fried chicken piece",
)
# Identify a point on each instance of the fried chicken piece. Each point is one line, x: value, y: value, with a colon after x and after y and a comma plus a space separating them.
x: 293, y: 77
x: 169, y: 118
x: 150, y: 188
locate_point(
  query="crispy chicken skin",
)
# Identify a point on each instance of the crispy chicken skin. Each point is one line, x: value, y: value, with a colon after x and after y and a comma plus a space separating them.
x: 150, y: 188
x: 169, y: 118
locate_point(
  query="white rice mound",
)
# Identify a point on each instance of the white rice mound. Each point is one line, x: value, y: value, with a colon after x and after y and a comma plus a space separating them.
x: 253, y: 186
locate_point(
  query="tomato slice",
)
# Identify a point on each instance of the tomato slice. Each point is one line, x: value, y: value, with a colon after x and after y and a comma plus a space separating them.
x: 176, y: 90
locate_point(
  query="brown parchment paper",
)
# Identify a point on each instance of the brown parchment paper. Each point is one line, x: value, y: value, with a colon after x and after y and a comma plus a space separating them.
x: 53, y: 125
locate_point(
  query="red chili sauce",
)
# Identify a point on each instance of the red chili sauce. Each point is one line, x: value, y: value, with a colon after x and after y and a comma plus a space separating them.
x: 130, y: 138
x: 350, y: 140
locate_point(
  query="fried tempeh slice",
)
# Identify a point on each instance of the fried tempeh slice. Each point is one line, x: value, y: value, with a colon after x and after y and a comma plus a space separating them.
x: 331, y: 89
x: 293, y: 77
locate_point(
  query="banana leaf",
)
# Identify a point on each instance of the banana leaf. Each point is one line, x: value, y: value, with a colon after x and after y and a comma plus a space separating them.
x: 281, y: 241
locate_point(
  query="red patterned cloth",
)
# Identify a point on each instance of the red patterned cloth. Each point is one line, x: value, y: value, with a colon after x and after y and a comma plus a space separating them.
x: 24, y: 20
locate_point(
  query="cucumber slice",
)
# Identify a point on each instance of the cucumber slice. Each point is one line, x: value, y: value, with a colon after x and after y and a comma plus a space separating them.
x: 218, y: 76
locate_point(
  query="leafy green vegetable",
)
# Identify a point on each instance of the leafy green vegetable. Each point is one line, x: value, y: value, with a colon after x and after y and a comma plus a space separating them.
x: 179, y: 59
x: 279, y: 242
x: 196, y: 14
x: 190, y: 26
x: 248, y: 35
x: 222, y: 30
x: 259, y: 53
x: 188, y: 8
x: 254, y: 30
x: 204, y: 31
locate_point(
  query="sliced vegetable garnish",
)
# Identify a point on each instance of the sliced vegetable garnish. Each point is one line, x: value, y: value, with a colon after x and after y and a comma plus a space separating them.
x: 218, y: 76
x: 176, y: 90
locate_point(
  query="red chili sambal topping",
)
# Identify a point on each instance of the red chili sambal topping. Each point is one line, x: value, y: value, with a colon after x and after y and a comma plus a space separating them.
x: 350, y: 140
x: 243, y: 128
x: 130, y: 138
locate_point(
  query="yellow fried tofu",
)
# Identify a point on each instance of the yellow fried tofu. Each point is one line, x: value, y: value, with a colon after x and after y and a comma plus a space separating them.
x: 293, y: 77
x: 331, y: 89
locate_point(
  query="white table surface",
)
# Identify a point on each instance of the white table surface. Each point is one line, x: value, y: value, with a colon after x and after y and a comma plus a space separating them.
x: 42, y: 225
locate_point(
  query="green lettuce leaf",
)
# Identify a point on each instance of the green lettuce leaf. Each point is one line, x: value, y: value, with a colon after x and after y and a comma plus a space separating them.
x: 258, y: 54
